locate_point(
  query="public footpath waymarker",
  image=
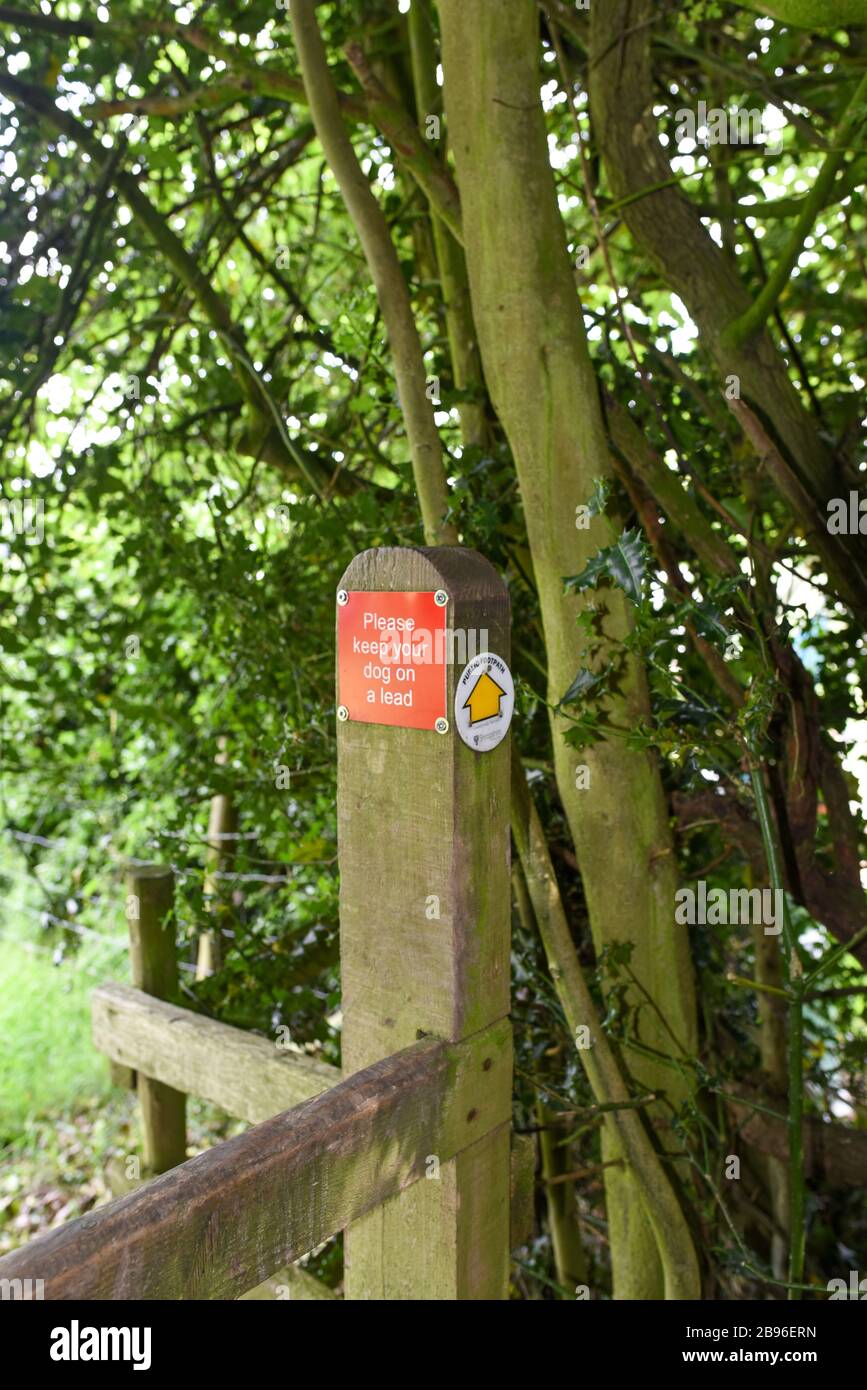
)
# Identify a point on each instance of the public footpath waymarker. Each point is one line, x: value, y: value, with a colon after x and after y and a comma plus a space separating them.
x: 484, y: 701
x: 423, y: 826
x: 391, y: 658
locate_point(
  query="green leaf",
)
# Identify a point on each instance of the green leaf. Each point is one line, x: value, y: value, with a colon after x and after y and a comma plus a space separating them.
x: 707, y: 621
x: 599, y: 496
x: 685, y: 713
x: 737, y: 508
x: 584, y: 684
x: 623, y: 563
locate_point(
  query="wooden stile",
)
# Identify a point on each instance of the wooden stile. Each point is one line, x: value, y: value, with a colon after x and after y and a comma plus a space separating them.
x: 150, y: 891
x: 423, y: 824
x: 220, y: 1224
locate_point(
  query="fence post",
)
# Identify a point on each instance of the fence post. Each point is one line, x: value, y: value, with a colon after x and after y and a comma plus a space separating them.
x: 150, y: 891
x: 220, y: 854
x: 423, y: 824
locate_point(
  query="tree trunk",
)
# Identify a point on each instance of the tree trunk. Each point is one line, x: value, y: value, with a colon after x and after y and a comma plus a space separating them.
x: 463, y: 349
x: 668, y: 230
x: 544, y: 389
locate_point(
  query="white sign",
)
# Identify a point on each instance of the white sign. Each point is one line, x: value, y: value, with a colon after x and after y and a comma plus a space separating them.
x: 484, y: 701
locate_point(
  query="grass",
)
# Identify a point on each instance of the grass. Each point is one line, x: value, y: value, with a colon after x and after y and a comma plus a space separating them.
x: 47, y: 1060
x: 58, y: 1115
x: 67, y: 1136
x: 62, y: 1125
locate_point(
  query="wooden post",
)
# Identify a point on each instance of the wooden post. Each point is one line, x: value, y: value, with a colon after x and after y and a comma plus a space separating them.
x: 150, y: 891
x: 222, y: 821
x: 423, y: 824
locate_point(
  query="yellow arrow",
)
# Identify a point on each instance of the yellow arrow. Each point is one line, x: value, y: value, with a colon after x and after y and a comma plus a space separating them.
x: 483, y: 701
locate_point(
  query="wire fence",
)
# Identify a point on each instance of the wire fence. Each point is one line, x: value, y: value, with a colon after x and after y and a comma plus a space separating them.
x: 36, y: 948
x: 184, y: 871
x: 78, y: 927
x: 25, y: 876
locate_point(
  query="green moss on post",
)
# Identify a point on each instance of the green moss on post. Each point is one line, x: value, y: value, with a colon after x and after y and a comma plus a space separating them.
x: 423, y: 824
x: 150, y: 891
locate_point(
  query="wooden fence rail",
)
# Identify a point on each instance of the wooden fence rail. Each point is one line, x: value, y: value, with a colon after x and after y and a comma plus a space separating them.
x: 408, y: 1150
x: 222, y: 1222
x: 243, y: 1073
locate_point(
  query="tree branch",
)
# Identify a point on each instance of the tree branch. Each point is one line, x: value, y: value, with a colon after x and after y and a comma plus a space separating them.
x: 844, y: 564
x: 254, y: 390
x: 748, y: 324
x: 387, y: 275
x: 403, y: 135
x: 215, y: 94
x: 832, y: 1153
x: 661, y: 1203
x: 818, y: 15
x: 668, y: 230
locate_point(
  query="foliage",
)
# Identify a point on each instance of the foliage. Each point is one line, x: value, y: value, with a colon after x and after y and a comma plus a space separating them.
x: 180, y: 599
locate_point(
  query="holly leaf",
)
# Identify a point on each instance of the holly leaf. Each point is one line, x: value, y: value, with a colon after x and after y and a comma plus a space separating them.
x: 708, y: 622
x: 599, y: 496
x: 624, y: 564
x: 586, y: 683
x: 685, y: 713
x: 584, y: 732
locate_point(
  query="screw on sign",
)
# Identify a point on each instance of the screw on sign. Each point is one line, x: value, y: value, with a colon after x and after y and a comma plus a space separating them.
x: 391, y: 660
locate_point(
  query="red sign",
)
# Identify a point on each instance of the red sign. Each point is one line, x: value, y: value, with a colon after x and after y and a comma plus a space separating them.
x: 391, y: 662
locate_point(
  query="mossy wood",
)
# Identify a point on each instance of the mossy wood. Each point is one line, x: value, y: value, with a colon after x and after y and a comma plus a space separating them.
x: 543, y: 386
x: 150, y: 891
x: 245, y: 1074
x: 423, y: 825
x: 220, y: 1224
x: 523, y: 1184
